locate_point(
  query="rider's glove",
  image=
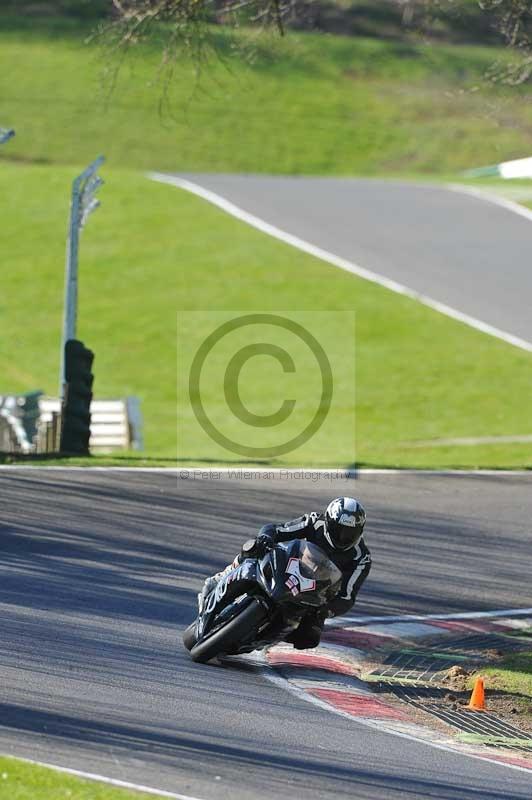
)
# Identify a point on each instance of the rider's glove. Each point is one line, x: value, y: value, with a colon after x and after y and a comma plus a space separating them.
x: 263, y: 543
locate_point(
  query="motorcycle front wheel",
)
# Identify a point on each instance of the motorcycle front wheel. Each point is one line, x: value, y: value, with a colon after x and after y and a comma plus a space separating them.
x: 189, y: 636
x: 226, y: 639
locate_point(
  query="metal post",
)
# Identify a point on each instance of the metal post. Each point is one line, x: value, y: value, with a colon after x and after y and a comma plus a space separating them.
x: 6, y: 134
x: 83, y: 203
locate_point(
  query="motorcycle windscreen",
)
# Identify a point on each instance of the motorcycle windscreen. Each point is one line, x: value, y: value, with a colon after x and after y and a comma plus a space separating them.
x: 315, y: 564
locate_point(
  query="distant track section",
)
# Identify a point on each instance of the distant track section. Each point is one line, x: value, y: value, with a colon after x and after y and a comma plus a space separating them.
x: 456, y: 252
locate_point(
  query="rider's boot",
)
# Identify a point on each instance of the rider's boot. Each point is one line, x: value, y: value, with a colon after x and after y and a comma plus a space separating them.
x: 308, y: 633
x: 206, y: 589
x: 211, y: 583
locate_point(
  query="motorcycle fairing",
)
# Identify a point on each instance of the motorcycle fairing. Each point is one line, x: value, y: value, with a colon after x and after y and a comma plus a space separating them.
x: 288, y: 579
x: 235, y: 584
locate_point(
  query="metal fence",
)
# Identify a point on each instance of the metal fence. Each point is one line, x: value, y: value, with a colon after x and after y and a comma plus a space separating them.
x: 115, y: 424
x: 32, y: 424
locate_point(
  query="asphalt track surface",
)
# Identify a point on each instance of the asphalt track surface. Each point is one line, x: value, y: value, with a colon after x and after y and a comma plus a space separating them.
x: 99, y: 575
x: 457, y: 249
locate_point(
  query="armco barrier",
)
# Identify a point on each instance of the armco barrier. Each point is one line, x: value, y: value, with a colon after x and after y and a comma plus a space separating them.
x: 115, y: 424
x: 32, y: 424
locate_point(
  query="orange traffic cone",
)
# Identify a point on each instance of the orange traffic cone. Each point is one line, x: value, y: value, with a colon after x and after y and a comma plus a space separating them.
x: 477, y: 702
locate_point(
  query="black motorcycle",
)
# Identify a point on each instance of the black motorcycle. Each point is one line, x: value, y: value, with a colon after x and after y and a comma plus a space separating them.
x: 262, y: 600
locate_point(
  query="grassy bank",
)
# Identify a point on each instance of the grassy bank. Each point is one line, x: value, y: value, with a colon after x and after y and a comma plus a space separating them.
x: 22, y: 781
x: 509, y: 688
x: 154, y: 252
x: 513, y: 674
x: 309, y: 103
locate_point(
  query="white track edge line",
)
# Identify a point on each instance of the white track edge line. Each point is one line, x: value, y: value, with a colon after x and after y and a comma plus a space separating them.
x: 103, y: 779
x: 384, y: 620
x: 491, y: 197
x: 332, y: 473
x: 337, y: 261
x: 302, y: 694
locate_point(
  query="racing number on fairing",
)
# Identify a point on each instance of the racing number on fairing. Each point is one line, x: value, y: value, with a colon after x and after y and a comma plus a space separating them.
x: 297, y: 582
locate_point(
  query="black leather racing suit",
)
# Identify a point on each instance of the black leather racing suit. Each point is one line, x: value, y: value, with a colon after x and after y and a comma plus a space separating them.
x: 354, y: 564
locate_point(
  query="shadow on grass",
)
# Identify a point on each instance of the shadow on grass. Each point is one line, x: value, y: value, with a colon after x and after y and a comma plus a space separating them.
x: 127, y: 459
x: 67, y: 459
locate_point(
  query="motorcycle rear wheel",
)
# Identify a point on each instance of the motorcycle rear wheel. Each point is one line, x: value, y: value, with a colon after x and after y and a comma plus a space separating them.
x: 227, y: 638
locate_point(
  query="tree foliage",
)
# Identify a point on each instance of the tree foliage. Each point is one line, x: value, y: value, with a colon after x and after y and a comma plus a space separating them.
x: 176, y: 25
x: 134, y: 20
x: 77, y: 9
x: 513, y: 18
x: 452, y: 20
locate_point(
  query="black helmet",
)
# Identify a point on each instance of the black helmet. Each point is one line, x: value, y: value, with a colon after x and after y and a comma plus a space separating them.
x: 344, y: 522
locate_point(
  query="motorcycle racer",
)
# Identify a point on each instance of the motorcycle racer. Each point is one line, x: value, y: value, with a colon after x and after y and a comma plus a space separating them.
x: 338, y: 531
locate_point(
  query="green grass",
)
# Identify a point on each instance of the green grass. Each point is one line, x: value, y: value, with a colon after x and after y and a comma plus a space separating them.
x: 513, y: 675
x: 309, y: 103
x: 517, y: 190
x: 22, y: 781
x: 154, y: 252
